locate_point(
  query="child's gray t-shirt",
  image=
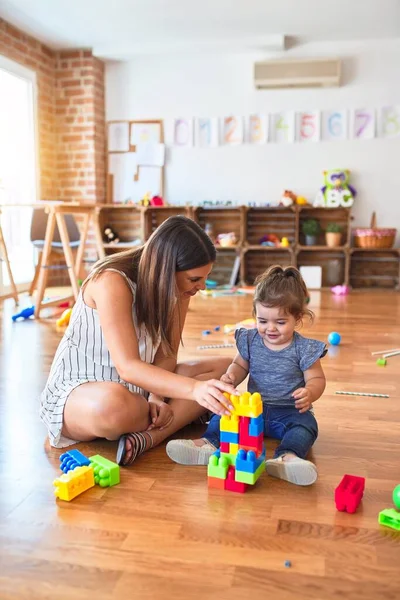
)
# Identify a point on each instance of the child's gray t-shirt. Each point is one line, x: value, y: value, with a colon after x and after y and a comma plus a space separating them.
x: 276, y: 374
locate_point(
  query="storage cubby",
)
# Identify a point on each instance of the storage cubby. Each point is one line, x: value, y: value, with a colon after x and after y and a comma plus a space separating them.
x: 125, y: 221
x: 261, y: 221
x: 342, y: 216
x: 374, y: 267
x: 222, y: 220
x: 255, y: 262
x: 223, y: 266
x: 333, y: 264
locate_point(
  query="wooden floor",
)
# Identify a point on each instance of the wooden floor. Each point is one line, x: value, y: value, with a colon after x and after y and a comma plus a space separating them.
x: 161, y: 533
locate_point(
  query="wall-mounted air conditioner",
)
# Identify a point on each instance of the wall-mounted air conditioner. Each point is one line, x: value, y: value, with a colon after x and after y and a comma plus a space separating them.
x: 311, y: 72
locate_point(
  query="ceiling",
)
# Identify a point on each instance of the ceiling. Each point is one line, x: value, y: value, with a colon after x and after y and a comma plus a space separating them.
x: 124, y: 28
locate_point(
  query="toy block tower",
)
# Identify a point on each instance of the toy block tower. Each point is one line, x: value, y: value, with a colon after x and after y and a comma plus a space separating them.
x: 240, y: 459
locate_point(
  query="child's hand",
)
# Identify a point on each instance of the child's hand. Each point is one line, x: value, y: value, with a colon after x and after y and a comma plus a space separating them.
x: 303, y: 399
x: 226, y: 378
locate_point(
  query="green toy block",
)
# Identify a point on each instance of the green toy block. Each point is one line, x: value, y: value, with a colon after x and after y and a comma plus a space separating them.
x: 106, y: 472
x: 396, y: 497
x: 231, y: 458
x: 381, y: 362
x: 217, y: 467
x: 250, y: 478
x: 390, y: 518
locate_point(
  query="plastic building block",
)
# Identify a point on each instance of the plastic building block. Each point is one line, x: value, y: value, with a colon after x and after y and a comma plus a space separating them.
x: 69, y: 485
x: 225, y: 447
x: 216, y: 482
x: 287, y: 564
x: 217, y: 327
x: 349, y: 492
x: 206, y: 332
x: 106, y: 472
x: 232, y: 485
x: 390, y: 518
x: 396, y: 497
x: 63, y: 321
x: 250, y: 478
x: 233, y: 448
x: 247, y: 405
x: 230, y: 423
x: 231, y: 458
x: 25, y: 313
x: 248, y: 461
x: 381, y: 362
x: 217, y: 466
x: 231, y: 438
x: 71, y: 459
x: 256, y: 426
x: 249, y: 440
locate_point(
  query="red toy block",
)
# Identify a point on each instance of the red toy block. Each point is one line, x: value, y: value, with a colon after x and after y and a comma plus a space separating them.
x: 224, y: 447
x: 249, y: 442
x: 349, y: 492
x: 215, y: 482
x: 232, y: 485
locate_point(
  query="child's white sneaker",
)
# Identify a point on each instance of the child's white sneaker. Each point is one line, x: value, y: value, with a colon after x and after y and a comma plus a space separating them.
x: 295, y: 470
x: 186, y: 452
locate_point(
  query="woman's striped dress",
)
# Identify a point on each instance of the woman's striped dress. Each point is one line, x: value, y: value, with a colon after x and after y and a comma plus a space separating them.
x: 81, y: 357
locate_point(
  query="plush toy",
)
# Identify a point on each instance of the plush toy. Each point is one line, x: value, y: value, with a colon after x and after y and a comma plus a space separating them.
x: 337, y: 191
x: 157, y: 201
x: 226, y: 240
x: 145, y: 201
x: 110, y: 236
x: 288, y: 198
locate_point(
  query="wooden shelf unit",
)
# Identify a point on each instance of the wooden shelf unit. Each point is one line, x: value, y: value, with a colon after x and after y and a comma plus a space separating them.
x: 358, y: 267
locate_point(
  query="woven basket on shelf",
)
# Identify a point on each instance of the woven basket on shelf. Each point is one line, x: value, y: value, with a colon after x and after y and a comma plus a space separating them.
x: 373, y: 236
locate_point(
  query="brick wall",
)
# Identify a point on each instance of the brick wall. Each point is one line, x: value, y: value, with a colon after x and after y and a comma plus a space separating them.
x: 27, y: 51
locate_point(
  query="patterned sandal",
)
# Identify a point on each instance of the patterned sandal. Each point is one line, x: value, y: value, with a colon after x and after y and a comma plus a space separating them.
x: 139, y: 443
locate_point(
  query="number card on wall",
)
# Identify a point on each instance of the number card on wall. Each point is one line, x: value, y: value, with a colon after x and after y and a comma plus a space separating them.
x: 232, y: 131
x: 183, y: 132
x: 283, y: 127
x: 363, y: 124
x: 207, y: 132
x: 308, y: 126
x: 257, y: 129
x: 390, y: 121
x: 334, y: 125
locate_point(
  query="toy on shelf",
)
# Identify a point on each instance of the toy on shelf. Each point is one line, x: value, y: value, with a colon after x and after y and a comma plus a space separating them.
x: 270, y: 239
x: 349, y: 493
x: 145, y: 201
x: 340, y: 290
x: 226, y: 240
x: 334, y: 338
x: 72, y: 459
x: 301, y: 201
x: 73, y: 483
x: 157, y: 201
x: 240, y: 461
x: 106, y: 472
x: 337, y: 191
x: 288, y: 198
x: 285, y: 242
x: 110, y: 236
x: 25, y: 313
x: 63, y: 321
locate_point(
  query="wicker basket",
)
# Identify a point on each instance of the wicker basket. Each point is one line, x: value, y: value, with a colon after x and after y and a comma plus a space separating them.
x: 373, y: 236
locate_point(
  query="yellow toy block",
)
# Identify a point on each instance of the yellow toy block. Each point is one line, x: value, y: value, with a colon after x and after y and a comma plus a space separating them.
x: 247, y: 405
x: 73, y: 483
x: 63, y: 321
x: 233, y: 448
x: 230, y: 424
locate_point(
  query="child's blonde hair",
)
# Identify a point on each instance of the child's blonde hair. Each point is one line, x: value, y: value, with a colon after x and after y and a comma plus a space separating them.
x: 283, y: 287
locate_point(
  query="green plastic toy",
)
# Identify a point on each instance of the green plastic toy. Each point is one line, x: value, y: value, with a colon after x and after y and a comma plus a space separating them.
x: 396, y: 497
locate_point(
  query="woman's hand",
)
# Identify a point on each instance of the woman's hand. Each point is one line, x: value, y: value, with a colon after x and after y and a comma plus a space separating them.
x: 210, y: 395
x: 161, y: 414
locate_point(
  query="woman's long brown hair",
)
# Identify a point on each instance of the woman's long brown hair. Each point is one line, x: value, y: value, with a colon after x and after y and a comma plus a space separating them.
x: 178, y: 244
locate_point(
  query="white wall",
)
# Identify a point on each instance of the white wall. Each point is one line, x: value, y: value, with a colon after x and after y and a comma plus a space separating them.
x: 218, y: 85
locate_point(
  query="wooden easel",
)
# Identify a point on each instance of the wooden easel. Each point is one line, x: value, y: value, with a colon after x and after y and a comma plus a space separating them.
x: 4, y: 257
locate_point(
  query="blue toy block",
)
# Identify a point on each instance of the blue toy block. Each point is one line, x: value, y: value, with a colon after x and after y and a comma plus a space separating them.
x: 25, y: 313
x: 247, y: 462
x: 256, y: 425
x: 231, y: 438
x: 72, y: 459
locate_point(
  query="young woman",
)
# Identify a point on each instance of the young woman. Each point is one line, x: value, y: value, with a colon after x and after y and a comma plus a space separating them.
x: 117, y: 362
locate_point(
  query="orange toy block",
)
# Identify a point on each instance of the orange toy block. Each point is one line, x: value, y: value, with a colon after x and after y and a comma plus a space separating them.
x: 215, y: 482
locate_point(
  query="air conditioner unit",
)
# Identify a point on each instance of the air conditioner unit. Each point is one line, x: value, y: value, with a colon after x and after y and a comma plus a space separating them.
x: 311, y: 72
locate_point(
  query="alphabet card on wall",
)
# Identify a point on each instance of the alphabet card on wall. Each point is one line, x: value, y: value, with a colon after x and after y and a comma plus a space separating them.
x: 257, y: 129
x: 283, y: 127
x: 207, y: 132
x: 308, y: 126
x: 390, y: 121
x: 232, y: 131
x: 363, y: 124
x: 183, y: 132
x: 334, y: 125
